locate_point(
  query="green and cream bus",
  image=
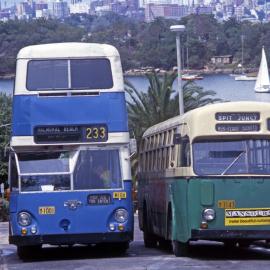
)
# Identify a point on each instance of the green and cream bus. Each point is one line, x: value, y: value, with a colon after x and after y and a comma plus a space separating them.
x: 205, y: 175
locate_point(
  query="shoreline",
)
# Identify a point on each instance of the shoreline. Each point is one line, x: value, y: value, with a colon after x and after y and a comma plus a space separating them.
x: 145, y: 71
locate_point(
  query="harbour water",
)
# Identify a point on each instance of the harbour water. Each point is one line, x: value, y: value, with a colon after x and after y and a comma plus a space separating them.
x: 224, y: 85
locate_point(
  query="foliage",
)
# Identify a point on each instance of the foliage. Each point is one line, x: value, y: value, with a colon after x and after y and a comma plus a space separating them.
x: 4, y: 210
x: 139, y: 43
x: 5, y: 129
x: 15, y: 35
x: 160, y: 102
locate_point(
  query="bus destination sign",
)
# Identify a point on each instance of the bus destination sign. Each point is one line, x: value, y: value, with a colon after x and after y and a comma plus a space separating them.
x: 237, y: 127
x: 238, y: 116
x: 74, y: 133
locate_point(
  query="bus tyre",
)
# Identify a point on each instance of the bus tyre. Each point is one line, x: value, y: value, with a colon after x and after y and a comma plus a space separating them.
x: 165, y: 244
x: 122, y: 247
x: 244, y: 243
x: 150, y: 240
x: 27, y: 252
x: 180, y: 249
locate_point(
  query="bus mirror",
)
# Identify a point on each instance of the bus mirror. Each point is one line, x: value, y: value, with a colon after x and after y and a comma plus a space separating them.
x: 177, y: 138
x: 133, y: 146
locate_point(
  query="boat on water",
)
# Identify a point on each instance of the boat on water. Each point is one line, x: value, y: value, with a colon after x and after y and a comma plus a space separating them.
x: 262, y: 83
x: 191, y: 77
x: 245, y: 77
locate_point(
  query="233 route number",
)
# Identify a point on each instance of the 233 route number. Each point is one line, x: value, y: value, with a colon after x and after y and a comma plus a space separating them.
x: 96, y: 133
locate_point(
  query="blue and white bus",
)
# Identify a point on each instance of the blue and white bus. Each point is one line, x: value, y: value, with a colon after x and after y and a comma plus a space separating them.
x: 69, y: 167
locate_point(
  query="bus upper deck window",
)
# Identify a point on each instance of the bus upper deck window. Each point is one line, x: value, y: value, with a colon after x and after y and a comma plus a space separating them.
x: 47, y: 75
x: 91, y: 74
x: 65, y: 74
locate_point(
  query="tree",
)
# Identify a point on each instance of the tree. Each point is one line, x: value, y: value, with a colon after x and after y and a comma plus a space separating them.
x: 5, y: 130
x: 154, y: 106
x: 158, y: 103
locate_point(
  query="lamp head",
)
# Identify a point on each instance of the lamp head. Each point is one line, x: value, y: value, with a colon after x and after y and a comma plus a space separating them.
x: 177, y: 28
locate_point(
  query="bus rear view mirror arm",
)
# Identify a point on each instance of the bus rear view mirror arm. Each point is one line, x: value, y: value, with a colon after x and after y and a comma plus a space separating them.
x: 132, y: 147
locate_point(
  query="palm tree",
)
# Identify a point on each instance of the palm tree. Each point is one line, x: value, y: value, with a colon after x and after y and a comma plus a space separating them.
x: 154, y: 106
x: 159, y: 104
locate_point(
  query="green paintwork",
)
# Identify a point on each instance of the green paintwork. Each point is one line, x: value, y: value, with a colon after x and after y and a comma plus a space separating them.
x: 207, y: 192
x: 191, y: 196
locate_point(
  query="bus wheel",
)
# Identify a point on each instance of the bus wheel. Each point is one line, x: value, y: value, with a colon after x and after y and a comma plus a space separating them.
x: 150, y: 240
x: 244, y: 243
x: 27, y: 252
x: 230, y: 244
x: 121, y: 247
x: 165, y: 244
x: 180, y: 249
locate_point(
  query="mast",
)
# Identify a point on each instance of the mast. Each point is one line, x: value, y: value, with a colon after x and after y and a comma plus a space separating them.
x: 242, y: 58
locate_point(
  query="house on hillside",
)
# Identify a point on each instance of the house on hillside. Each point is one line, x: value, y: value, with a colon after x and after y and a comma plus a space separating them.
x: 222, y: 59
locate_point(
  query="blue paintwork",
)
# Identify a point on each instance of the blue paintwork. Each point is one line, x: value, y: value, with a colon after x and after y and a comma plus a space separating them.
x: 85, y: 219
x: 31, y: 110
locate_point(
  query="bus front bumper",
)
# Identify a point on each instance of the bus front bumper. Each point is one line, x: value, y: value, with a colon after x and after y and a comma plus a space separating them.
x: 220, y: 235
x: 71, y: 239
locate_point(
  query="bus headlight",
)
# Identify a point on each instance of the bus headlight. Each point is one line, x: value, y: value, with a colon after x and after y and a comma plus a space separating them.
x: 121, y: 215
x: 24, y: 219
x: 209, y: 214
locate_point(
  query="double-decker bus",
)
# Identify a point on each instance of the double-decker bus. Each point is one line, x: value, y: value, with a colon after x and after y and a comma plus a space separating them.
x: 69, y: 168
x: 205, y: 175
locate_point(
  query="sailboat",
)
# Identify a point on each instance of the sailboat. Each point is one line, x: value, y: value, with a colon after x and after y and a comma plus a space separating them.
x: 262, y: 83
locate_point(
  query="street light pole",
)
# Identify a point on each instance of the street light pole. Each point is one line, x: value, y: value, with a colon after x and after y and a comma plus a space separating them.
x: 178, y: 29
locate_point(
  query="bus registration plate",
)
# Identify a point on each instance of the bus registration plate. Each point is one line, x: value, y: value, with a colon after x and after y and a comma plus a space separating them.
x: 46, y: 210
x: 119, y: 195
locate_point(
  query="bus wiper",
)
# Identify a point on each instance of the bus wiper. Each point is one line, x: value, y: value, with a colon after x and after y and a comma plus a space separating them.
x: 233, y: 162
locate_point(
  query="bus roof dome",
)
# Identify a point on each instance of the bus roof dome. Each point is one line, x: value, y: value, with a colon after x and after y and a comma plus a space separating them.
x: 68, y: 50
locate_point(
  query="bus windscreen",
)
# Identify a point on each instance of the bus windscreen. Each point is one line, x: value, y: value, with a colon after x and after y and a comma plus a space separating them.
x: 232, y: 157
x: 86, y: 169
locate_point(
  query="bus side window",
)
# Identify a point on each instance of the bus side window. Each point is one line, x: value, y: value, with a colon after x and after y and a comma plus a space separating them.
x: 14, y: 178
x: 185, y: 160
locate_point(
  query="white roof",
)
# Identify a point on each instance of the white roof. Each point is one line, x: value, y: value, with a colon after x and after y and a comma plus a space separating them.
x: 202, y: 120
x: 67, y: 50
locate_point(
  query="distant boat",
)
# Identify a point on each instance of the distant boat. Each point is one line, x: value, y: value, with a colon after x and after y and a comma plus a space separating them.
x: 262, y: 83
x: 191, y: 77
x: 245, y: 77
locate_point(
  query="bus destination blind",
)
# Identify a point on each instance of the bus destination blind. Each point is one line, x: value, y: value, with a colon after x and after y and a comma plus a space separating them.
x: 238, y: 116
x: 73, y: 133
x: 237, y: 127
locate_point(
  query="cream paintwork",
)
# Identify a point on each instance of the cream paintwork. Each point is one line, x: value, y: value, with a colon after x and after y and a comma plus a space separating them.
x: 67, y: 51
x: 201, y: 122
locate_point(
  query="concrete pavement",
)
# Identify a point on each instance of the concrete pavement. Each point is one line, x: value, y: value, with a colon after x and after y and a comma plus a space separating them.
x: 3, y: 242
